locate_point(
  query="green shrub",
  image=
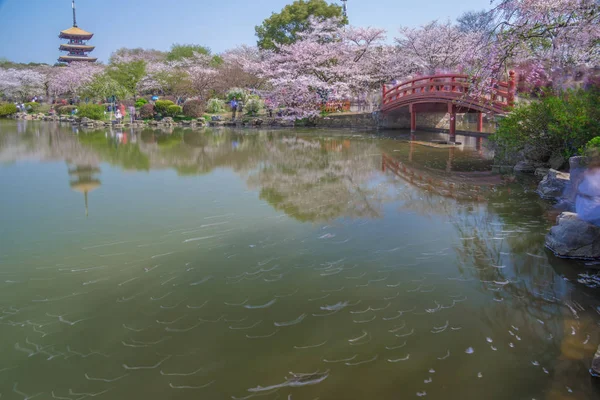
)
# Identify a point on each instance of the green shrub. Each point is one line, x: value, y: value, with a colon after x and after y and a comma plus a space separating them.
x: 32, y: 107
x: 238, y: 94
x: 559, y: 124
x: 193, y: 108
x: 173, y: 110
x: 215, y: 106
x: 140, y: 103
x: 147, y: 111
x: 594, y: 143
x: 7, y: 109
x: 161, y: 106
x: 65, y: 110
x: 253, y: 106
x: 91, y: 111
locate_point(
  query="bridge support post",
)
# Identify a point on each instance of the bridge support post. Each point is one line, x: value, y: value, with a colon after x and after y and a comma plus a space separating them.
x: 413, y: 118
x: 480, y: 122
x: 452, y: 112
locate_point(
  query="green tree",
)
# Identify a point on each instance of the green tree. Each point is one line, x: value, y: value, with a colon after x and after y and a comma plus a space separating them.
x: 183, y: 51
x: 283, y: 28
x: 104, y: 86
x: 128, y: 74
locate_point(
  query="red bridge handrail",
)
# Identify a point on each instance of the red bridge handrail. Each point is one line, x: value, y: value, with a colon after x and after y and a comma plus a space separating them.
x: 450, y: 87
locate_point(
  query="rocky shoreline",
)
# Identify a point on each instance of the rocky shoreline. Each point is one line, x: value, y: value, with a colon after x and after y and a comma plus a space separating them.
x: 165, y: 122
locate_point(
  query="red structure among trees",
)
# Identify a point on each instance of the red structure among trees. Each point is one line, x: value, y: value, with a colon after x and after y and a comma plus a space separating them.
x: 451, y: 92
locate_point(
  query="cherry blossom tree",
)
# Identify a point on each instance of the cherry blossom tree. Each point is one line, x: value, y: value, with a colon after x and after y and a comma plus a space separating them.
x: 21, y: 84
x: 71, y: 79
x: 326, y: 62
x: 548, y: 40
x: 436, y: 47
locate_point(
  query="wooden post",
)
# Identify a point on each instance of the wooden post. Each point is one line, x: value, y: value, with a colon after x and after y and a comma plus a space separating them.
x: 479, y: 122
x: 452, y: 112
x: 511, y: 88
x: 413, y: 118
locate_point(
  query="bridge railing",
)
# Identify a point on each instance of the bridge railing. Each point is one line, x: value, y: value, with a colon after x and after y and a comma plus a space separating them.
x: 497, y: 93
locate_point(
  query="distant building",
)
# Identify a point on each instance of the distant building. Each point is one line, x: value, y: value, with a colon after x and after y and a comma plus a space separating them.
x: 76, y: 48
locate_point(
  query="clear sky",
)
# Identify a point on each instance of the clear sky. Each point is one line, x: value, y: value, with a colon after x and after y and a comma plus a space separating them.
x: 29, y: 28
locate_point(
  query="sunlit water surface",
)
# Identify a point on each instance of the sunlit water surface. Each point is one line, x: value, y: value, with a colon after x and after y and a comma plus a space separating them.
x: 279, y: 265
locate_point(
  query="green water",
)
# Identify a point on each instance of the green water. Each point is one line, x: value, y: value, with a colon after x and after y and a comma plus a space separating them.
x: 216, y: 264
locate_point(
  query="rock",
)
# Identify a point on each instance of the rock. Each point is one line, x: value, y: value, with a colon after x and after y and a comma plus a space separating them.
x: 574, y: 238
x: 541, y: 172
x: 257, y: 122
x: 554, y: 184
x: 557, y: 161
x: 595, y: 370
x: 525, y: 167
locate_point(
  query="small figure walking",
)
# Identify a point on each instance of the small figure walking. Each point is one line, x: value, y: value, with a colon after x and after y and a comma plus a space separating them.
x: 234, y: 106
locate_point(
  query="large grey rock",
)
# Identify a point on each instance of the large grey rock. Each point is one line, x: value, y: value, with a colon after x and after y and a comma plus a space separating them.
x: 574, y: 238
x: 554, y: 184
x: 541, y: 172
x: 525, y: 167
x: 595, y: 370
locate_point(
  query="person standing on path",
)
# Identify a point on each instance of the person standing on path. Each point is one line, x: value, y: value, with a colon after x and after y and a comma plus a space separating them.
x: 234, y: 105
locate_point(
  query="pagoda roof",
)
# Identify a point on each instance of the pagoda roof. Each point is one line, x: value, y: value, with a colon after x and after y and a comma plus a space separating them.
x: 76, y: 58
x: 76, y: 32
x: 76, y: 47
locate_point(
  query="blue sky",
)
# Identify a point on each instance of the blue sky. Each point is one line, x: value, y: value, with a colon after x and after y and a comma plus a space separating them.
x: 30, y: 28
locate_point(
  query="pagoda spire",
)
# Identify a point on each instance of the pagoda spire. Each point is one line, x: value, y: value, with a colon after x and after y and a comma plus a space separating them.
x: 74, y: 15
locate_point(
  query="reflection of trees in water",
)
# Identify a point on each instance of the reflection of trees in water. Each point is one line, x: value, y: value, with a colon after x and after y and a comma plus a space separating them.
x: 500, y: 250
x: 199, y: 152
x: 46, y: 142
x: 314, y: 179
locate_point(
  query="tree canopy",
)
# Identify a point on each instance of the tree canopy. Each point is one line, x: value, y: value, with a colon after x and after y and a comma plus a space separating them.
x: 283, y: 28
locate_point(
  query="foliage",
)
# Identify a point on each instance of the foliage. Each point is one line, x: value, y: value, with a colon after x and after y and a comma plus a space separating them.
x: 325, y: 63
x: 181, y: 51
x: 561, y: 124
x: 103, y: 86
x: 557, y: 36
x: 21, y: 84
x: 237, y: 94
x: 193, y: 108
x: 253, y: 106
x: 65, y: 110
x: 91, y: 111
x: 437, y: 47
x: 140, y: 102
x: 72, y: 79
x: 128, y: 74
x: 283, y: 28
x: 173, y: 110
x: 215, y: 106
x: 32, y: 107
x: 161, y: 106
x: 594, y: 143
x: 147, y: 111
x: 7, y: 109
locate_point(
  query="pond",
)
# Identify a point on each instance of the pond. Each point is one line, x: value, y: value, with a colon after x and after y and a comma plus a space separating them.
x: 279, y: 264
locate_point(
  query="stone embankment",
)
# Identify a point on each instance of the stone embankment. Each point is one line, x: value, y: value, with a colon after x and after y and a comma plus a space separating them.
x: 353, y: 121
x: 572, y: 236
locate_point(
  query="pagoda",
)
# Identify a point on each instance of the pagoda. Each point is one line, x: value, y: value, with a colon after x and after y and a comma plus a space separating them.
x: 77, y: 48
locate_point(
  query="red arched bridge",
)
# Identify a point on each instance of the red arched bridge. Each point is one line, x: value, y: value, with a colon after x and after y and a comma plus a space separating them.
x: 448, y: 93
